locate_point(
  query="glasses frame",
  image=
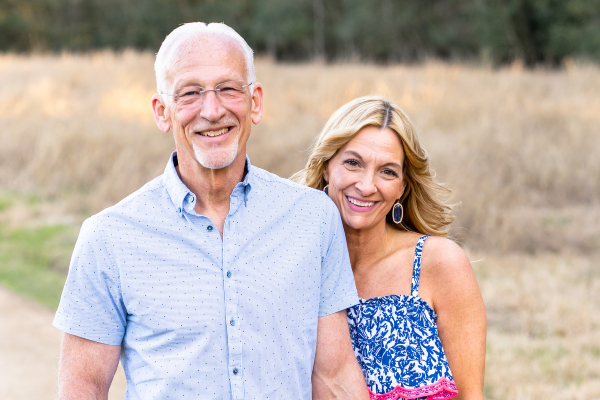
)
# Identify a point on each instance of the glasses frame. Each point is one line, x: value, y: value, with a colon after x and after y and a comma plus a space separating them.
x: 203, y: 91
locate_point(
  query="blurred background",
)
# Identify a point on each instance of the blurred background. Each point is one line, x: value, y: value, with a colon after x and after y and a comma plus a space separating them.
x: 505, y: 95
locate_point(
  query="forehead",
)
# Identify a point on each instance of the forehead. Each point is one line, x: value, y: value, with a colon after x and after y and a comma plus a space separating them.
x: 206, y: 59
x: 377, y: 145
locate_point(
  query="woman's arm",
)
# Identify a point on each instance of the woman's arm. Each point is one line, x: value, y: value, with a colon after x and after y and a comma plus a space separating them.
x: 454, y: 292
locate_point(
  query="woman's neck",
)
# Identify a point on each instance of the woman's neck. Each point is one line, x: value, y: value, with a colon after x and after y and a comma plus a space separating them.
x: 367, y: 246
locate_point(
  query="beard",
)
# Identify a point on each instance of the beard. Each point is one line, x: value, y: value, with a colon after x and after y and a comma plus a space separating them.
x: 215, y: 159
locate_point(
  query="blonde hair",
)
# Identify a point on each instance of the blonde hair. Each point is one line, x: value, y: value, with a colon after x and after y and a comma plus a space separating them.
x: 425, y: 202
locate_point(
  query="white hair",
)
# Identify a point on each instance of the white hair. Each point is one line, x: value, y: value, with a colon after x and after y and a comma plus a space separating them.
x: 194, y: 29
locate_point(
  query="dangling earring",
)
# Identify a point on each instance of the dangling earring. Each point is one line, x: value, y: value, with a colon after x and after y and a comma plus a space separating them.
x: 397, y: 212
x: 326, y: 190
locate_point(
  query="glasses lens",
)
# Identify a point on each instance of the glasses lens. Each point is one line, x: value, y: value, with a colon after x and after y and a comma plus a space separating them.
x: 231, y: 91
x: 189, y: 95
x: 227, y: 92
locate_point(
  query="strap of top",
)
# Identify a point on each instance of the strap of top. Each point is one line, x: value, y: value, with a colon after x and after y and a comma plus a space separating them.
x: 414, y: 290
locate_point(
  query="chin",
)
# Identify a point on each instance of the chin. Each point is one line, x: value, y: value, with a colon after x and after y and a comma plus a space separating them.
x: 357, y: 224
x: 216, y: 159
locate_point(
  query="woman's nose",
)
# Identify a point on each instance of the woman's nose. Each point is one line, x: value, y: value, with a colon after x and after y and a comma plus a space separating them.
x: 366, y: 185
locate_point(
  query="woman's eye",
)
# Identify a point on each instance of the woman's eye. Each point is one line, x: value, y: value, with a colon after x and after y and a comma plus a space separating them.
x: 390, y: 172
x: 352, y: 163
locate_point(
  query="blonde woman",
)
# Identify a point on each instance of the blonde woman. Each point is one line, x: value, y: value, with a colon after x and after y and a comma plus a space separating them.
x: 419, y: 329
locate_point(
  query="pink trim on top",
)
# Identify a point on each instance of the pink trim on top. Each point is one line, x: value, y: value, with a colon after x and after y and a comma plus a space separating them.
x: 442, y: 389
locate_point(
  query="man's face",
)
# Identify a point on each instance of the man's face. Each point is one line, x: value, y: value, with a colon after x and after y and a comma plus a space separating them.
x: 211, y: 132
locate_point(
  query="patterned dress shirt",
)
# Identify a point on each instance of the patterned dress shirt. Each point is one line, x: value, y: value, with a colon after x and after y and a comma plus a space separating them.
x: 198, y: 316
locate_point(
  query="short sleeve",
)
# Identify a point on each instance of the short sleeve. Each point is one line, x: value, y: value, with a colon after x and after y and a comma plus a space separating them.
x: 338, y: 290
x: 91, y: 306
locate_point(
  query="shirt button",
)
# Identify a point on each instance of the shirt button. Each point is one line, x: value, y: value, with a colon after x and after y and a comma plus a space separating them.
x: 179, y: 210
x: 232, y: 322
x: 229, y: 274
x: 209, y: 228
x: 235, y: 371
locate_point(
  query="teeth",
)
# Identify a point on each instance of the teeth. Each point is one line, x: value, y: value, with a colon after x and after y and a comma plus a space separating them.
x: 214, y: 133
x: 360, y: 203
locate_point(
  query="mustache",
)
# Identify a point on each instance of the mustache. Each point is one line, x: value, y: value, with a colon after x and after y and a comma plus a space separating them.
x: 211, y: 127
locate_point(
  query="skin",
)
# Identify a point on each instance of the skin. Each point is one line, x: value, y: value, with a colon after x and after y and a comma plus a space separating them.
x: 369, y: 169
x: 86, y: 367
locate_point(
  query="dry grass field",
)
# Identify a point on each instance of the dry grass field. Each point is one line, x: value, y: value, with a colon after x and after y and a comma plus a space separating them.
x: 520, y: 148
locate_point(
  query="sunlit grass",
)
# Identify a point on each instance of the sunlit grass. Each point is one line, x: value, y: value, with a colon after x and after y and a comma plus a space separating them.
x: 34, y: 261
x: 520, y: 148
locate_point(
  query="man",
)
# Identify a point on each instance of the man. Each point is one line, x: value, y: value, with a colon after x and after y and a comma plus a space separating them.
x: 216, y: 280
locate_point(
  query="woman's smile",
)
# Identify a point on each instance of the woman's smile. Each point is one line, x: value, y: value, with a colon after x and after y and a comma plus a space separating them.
x: 358, y: 205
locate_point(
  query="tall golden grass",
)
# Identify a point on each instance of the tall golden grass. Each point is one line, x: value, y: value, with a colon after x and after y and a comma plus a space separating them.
x: 520, y: 148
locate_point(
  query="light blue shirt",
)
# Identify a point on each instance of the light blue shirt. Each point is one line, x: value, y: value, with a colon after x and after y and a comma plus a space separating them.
x: 204, y: 317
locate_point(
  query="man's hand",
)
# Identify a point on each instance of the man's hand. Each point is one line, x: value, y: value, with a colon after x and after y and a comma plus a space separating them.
x: 336, y: 373
x: 86, y: 368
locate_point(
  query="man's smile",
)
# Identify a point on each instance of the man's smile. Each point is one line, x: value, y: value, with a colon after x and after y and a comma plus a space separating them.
x: 214, y: 133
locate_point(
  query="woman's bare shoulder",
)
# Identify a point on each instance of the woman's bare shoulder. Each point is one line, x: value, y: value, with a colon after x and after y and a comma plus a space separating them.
x: 445, y: 261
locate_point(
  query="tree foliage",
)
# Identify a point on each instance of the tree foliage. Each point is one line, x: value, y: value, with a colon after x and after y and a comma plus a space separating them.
x: 534, y: 31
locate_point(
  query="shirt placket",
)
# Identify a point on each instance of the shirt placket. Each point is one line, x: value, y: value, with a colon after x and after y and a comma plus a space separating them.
x: 234, y: 340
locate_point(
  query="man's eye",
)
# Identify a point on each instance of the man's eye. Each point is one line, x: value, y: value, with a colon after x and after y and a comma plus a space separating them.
x: 227, y: 88
x: 190, y: 93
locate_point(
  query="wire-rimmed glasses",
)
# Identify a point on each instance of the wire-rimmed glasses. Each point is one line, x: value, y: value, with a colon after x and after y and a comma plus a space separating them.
x: 226, y: 92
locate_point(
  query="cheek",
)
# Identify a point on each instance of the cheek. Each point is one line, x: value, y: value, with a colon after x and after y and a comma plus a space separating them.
x: 341, y: 178
x: 392, y: 191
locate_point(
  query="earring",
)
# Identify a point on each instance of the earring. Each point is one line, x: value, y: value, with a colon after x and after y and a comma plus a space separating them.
x: 397, y: 212
x: 326, y: 190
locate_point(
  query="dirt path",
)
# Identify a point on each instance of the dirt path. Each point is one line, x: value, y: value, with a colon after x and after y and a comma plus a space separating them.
x: 29, y: 348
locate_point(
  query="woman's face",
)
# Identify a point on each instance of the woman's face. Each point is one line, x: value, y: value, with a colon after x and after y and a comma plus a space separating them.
x: 365, y: 177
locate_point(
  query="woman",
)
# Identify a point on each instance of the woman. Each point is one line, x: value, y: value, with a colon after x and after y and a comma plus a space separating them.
x: 417, y: 288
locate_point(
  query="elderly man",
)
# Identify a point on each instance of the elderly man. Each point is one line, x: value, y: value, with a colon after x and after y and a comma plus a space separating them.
x: 216, y: 280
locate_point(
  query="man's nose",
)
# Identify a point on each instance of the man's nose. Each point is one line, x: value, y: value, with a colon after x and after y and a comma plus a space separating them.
x: 212, y: 109
x: 366, y: 185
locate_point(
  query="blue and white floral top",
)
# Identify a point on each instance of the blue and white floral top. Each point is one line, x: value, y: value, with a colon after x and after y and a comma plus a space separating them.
x: 395, y: 340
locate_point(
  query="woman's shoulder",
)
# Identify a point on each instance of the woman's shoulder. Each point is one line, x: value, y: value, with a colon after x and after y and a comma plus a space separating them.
x: 440, y: 249
x: 444, y: 258
x: 446, y: 271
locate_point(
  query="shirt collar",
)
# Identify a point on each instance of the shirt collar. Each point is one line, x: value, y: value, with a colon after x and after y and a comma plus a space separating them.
x: 178, y: 191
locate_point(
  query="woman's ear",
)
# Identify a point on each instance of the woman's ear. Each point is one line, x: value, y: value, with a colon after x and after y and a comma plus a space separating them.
x: 402, y: 189
x: 326, y: 173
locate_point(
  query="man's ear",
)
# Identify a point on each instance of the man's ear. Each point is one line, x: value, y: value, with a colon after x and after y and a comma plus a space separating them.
x: 160, y: 113
x: 257, y: 103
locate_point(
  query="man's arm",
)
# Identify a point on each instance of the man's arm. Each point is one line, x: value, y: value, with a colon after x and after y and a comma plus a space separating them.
x: 86, y: 368
x: 336, y: 373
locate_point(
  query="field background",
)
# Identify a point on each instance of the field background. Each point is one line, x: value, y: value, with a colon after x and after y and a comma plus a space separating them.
x: 519, y: 147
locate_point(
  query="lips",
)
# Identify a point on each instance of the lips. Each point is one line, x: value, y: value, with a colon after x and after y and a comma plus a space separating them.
x: 360, y: 206
x: 214, y: 133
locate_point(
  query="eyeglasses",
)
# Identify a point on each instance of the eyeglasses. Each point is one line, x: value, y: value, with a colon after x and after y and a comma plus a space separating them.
x: 226, y: 92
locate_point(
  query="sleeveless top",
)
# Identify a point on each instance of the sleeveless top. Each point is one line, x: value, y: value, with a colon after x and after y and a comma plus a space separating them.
x: 396, y: 343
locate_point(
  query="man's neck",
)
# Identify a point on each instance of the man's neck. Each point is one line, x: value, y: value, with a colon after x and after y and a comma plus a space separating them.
x: 212, y: 187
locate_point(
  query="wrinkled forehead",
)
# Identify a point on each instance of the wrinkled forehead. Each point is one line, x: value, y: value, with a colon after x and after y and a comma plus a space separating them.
x: 210, y: 48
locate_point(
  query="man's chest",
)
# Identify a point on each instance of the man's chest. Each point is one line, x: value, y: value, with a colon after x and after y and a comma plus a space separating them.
x: 199, y: 282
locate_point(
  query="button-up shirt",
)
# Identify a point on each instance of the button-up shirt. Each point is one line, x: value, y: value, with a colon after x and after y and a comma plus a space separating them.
x: 200, y: 316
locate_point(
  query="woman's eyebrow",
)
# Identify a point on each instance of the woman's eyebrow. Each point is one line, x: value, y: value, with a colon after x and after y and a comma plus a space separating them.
x: 353, y: 153
x: 392, y: 164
